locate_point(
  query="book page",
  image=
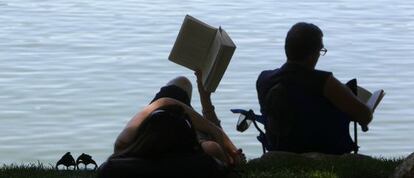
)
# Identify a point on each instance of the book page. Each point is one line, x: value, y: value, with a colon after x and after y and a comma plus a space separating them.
x: 221, y: 62
x: 193, y: 43
x: 363, y: 94
x: 375, y: 99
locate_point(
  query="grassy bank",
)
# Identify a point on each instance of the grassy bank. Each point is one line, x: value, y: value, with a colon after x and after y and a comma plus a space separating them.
x: 330, y: 166
x: 283, y: 166
x: 38, y: 170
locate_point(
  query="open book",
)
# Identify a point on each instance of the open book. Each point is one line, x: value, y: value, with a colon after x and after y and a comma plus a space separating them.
x: 201, y: 46
x: 370, y: 99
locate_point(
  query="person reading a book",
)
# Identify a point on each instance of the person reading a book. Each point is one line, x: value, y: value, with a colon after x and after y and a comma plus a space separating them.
x: 170, y: 127
x: 307, y: 110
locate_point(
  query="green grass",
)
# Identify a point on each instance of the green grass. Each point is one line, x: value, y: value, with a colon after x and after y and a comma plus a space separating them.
x: 282, y: 166
x: 38, y: 170
x: 330, y: 167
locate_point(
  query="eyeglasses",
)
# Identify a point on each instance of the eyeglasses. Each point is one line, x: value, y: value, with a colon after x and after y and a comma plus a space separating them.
x: 323, y: 51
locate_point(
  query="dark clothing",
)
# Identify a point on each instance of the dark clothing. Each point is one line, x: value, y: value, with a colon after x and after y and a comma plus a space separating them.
x: 311, y: 80
x: 172, y: 91
x: 197, y: 165
x: 316, y: 125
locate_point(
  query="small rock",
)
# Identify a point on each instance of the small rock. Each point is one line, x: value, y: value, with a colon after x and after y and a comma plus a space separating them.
x: 406, y: 168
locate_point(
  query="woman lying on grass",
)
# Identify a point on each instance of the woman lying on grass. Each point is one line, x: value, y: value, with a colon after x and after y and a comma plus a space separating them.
x: 169, y: 131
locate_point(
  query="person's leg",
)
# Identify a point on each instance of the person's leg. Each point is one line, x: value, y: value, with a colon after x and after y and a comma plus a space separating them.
x: 183, y: 83
x: 179, y: 88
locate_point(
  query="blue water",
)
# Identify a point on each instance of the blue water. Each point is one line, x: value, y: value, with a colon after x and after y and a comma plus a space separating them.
x: 72, y: 73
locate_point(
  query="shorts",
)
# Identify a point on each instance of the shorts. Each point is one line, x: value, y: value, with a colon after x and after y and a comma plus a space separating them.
x: 172, y: 91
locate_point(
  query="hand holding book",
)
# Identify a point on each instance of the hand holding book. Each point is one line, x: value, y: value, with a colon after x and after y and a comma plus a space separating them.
x: 370, y: 99
x: 205, y: 99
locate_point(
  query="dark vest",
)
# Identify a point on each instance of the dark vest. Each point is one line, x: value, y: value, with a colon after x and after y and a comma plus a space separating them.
x: 302, y: 119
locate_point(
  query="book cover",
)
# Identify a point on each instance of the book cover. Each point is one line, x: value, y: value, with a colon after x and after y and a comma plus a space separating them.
x: 201, y: 46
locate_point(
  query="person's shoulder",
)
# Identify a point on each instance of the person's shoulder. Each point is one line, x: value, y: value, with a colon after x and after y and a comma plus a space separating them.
x: 323, y: 74
x: 264, y: 72
x: 320, y: 78
x: 265, y: 75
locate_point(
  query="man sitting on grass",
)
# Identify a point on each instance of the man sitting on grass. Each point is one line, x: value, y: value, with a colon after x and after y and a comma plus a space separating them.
x: 307, y: 110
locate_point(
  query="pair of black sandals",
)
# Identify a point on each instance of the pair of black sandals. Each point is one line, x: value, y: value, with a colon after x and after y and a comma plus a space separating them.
x: 68, y: 161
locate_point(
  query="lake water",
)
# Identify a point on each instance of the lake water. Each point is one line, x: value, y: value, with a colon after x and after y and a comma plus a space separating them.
x: 72, y: 73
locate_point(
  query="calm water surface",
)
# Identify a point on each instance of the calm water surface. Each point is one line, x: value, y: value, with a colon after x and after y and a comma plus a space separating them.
x: 72, y: 73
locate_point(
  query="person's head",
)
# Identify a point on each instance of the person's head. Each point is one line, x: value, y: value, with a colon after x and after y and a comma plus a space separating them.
x: 303, y: 42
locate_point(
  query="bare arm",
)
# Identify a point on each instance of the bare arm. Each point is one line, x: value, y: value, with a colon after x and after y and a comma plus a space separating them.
x: 206, y: 104
x: 208, y: 127
x: 343, y: 98
x: 235, y: 155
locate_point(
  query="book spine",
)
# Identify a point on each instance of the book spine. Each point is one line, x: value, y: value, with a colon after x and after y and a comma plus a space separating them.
x: 219, y: 67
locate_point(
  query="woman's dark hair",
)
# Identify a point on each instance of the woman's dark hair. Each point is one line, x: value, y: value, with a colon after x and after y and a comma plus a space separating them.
x: 302, y: 40
x: 167, y: 132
